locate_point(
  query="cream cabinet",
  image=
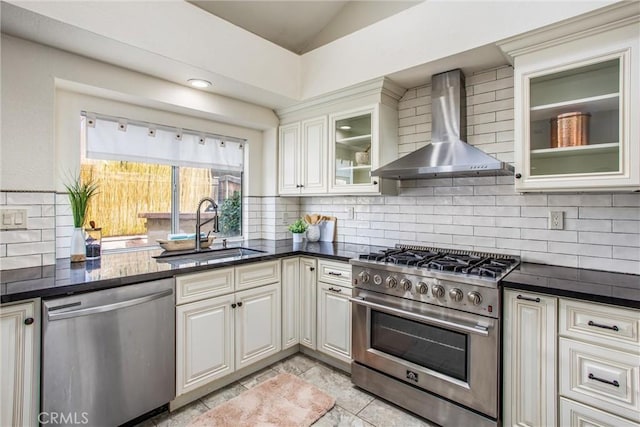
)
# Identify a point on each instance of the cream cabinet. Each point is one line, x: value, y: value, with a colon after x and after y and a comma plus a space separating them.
x: 330, y: 145
x: 529, y: 360
x: 20, y: 363
x: 308, y: 286
x: 334, y: 309
x: 290, y: 302
x: 303, y: 157
x: 205, y: 342
x: 218, y: 335
x: 334, y: 321
x: 576, y: 105
x: 359, y: 143
x: 599, y: 364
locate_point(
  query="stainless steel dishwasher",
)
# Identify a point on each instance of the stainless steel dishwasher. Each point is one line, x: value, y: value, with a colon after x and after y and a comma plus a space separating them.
x: 108, y: 356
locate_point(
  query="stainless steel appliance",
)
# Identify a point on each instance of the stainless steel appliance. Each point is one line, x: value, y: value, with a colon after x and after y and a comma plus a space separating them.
x: 447, y: 154
x: 426, y: 331
x: 108, y: 356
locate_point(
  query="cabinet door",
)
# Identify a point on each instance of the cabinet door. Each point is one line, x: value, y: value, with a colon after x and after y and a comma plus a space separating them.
x: 575, y: 104
x: 258, y: 323
x: 334, y: 321
x: 529, y: 359
x: 314, y: 155
x: 353, y: 151
x: 205, y: 342
x: 290, y: 302
x: 19, y: 382
x: 289, y: 159
x: 308, y: 277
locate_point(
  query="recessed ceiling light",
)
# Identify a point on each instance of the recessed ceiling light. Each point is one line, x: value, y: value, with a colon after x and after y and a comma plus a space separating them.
x: 199, y: 83
x: 345, y: 127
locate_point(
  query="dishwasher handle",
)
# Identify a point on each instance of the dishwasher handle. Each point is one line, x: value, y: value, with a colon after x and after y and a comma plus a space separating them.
x: 108, y: 307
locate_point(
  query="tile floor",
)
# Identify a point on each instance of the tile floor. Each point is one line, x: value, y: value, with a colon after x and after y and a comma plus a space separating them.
x: 354, y: 407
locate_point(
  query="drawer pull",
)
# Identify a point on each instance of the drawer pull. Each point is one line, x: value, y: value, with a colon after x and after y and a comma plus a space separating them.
x: 528, y: 298
x: 613, y: 383
x: 597, y: 325
x: 333, y: 273
x: 332, y: 289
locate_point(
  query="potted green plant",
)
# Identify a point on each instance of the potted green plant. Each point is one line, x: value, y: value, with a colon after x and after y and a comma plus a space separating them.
x: 298, y: 228
x: 79, y: 195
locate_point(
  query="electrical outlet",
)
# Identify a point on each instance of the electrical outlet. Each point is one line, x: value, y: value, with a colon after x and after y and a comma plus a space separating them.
x: 14, y: 219
x: 352, y: 212
x: 285, y: 218
x: 556, y: 220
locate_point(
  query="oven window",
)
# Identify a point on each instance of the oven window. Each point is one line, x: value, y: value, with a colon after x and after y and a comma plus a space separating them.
x: 429, y: 346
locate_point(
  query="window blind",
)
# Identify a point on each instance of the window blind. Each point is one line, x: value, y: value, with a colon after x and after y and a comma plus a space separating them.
x: 110, y: 138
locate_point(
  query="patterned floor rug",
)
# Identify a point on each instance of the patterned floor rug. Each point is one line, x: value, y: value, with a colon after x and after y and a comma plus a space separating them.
x: 282, y: 401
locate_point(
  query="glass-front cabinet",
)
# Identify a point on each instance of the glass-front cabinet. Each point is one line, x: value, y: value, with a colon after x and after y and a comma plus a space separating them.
x: 353, y: 151
x: 576, y: 117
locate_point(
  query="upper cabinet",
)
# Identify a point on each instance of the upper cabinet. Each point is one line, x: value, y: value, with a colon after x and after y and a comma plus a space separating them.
x: 576, y: 104
x: 302, y: 157
x: 331, y: 145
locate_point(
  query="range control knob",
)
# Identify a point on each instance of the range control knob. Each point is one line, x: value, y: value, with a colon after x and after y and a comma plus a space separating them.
x: 406, y: 284
x: 364, y: 277
x: 423, y: 288
x: 437, y: 291
x: 377, y: 279
x: 456, y: 294
x: 474, y: 298
x: 391, y: 282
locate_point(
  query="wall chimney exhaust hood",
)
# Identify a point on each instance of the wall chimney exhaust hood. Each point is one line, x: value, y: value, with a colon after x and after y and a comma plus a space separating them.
x: 447, y: 155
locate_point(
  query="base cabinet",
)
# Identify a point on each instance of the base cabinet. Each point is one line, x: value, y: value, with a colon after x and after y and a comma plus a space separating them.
x: 217, y: 336
x: 290, y: 302
x: 258, y: 323
x: 308, y: 286
x: 529, y: 359
x: 334, y: 321
x: 205, y: 342
x: 19, y: 360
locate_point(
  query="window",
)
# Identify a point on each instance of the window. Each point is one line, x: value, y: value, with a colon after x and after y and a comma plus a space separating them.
x: 152, y: 177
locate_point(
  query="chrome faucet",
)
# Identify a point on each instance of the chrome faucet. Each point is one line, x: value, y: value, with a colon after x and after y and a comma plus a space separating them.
x: 216, y: 228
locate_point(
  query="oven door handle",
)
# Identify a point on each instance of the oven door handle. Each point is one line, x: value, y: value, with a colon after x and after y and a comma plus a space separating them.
x: 475, y: 329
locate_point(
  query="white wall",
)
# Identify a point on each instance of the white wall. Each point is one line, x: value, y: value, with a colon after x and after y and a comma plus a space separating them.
x: 430, y: 31
x: 30, y: 75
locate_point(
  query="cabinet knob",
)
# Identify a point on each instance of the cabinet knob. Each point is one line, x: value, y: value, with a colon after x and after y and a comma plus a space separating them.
x: 518, y: 176
x: 28, y: 321
x: 297, y: 185
x: 240, y: 304
x: 375, y: 182
x: 301, y: 185
x: 312, y: 269
x: 233, y: 305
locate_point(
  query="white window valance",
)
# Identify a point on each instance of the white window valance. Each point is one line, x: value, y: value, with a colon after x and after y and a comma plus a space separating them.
x: 115, y: 138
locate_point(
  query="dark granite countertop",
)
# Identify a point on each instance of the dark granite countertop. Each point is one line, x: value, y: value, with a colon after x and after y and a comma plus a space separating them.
x: 591, y: 285
x: 120, y: 268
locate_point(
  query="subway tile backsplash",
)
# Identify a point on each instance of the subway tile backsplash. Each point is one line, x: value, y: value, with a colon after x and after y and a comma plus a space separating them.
x: 34, y: 246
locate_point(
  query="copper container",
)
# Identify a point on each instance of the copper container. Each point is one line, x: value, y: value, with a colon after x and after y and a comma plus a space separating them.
x: 570, y: 130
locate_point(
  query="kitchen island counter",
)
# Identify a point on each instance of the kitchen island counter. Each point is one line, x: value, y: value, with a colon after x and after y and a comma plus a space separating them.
x: 119, y: 268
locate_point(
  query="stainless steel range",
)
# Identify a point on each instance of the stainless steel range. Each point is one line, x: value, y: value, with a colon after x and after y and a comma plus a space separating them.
x: 426, y: 331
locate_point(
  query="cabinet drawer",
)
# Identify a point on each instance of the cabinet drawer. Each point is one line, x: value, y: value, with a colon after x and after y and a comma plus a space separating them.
x: 602, y: 324
x: 338, y: 273
x: 198, y: 286
x: 601, y: 377
x: 574, y: 414
x: 258, y: 274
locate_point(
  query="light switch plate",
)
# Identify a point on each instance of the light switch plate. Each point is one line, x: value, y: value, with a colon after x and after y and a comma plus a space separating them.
x: 13, y: 219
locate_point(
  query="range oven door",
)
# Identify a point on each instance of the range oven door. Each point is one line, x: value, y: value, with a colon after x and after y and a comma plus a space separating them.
x: 447, y: 352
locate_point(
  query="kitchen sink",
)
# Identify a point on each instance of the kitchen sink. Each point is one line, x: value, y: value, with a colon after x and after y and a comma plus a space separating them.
x: 207, y: 255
